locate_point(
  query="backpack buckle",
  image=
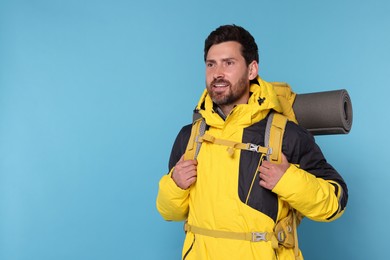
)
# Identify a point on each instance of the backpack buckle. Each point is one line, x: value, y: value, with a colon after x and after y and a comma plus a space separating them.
x: 254, y: 147
x: 259, y: 236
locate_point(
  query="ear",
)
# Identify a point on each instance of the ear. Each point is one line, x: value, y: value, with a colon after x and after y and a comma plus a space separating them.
x: 253, y: 70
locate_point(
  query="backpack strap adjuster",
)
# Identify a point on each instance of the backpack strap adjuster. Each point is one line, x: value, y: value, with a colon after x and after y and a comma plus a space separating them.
x: 259, y: 236
x: 253, y: 147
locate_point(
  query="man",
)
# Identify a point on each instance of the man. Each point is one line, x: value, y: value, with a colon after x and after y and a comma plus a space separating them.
x: 228, y: 195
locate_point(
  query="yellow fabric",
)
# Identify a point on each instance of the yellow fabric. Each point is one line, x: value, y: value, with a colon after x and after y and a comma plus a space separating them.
x: 249, y: 113
x: 172, y: 201
x: 301, y: 188
x: 212, y: 203
x: 191, y: 148
x: 250, y: 236
x: 286, y: 99
x: 232, y: 145
x: 276, y: 137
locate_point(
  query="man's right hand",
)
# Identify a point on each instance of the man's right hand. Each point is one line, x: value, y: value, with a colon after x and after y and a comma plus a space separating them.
x: 184, y: 174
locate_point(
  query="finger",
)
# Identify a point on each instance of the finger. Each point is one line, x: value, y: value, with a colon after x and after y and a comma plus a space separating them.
x: 263, y: 176
x: 180, y: 160
x: 190, y: 171
x: 265, y: 164
x: 263, y: 169
x: 284, y: 158
x: 264, y: 184
x: 285, y: 163
x: 189, y: 164
x: 184, y: 163
x: 191, y: 179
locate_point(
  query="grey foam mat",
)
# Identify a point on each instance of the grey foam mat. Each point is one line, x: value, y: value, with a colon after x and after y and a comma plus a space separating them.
x: 324, y: 113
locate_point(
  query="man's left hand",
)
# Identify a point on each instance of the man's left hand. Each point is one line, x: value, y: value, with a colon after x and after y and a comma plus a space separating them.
x: 271, y: 173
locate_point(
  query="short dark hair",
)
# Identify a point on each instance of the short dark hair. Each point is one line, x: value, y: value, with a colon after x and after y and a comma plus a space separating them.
x: 235, y: 33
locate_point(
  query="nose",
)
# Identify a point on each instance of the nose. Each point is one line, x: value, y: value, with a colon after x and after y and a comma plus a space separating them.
x: 218, y: 72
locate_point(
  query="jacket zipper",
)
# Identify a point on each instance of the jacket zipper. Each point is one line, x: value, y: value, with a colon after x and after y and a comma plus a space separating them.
x: 189, y: 249
x: 254, y: 178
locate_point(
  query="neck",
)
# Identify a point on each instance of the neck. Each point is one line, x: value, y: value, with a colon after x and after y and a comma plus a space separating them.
x: 226, y: 109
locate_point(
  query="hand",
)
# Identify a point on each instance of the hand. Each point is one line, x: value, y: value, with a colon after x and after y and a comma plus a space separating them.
x: 271, y: 173
x: 184, y: 174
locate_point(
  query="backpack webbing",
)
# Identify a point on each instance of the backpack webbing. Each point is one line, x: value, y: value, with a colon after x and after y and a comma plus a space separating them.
x: 198, y: 129
x: 273, y: 137
x: 286, y: 227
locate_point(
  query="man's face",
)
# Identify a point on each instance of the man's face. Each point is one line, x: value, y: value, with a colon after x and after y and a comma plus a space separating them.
x: 227, y: 75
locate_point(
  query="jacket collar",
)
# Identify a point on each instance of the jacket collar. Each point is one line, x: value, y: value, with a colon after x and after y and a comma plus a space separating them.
x: 263, y: 98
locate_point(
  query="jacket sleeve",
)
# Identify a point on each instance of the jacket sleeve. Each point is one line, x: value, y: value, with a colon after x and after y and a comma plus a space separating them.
x: 172, y: 201
x: 310, y: 185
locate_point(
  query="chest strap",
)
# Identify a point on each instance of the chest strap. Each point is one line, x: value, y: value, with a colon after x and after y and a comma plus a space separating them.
x: 206, y: 138
x: 249, y: 236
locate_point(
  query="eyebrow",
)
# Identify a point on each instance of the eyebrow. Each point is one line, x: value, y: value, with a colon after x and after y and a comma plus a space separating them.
x: 223, y: 60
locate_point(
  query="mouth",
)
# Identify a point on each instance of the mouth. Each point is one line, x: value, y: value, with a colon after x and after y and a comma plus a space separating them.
x: 220, y: 85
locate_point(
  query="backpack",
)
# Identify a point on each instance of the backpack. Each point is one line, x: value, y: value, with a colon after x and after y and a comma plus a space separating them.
x: 286, y: 229
x: 274, y: 130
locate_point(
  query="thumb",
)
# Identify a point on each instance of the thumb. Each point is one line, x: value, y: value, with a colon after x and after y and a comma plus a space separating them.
x: 181, y: 159
x: 284, y: 159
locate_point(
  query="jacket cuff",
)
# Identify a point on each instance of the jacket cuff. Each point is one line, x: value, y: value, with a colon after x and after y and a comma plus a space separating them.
x: 290, y: 183
x: 313, y: 197
x: 168, y: 184
x: 294, y: 184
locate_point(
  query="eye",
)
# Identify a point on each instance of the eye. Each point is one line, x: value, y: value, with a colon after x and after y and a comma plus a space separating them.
x: 209, y: 64
x: 229, y: 63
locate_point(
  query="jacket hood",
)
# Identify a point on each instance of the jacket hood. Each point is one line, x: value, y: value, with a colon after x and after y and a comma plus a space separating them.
x: 263, y: 98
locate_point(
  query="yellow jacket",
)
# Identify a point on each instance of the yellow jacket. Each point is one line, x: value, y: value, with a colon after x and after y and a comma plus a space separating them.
x: 222, y: 198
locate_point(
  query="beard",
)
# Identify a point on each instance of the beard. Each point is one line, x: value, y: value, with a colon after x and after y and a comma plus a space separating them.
x: 231, y: 95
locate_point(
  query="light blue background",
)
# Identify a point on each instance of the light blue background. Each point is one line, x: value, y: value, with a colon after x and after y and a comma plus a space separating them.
x: 93, y: 93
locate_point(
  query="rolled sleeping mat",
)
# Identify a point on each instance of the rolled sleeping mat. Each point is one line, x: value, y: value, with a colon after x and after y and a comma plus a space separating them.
x: 324, y: 113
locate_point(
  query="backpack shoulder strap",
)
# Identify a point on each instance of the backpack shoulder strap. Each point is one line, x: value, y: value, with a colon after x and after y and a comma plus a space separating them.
x: 286, y: 228
x: 193, y: 146
x: 274, y: 131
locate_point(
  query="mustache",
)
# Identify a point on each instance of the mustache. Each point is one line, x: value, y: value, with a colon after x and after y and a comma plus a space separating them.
x: 218, y: 81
